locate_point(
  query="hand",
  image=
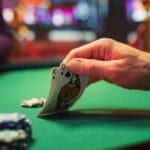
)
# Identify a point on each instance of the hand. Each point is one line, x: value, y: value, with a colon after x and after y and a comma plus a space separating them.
x: 112, y: 61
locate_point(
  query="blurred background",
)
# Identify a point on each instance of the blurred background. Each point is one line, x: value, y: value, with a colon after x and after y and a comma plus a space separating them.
x: 41, y: 32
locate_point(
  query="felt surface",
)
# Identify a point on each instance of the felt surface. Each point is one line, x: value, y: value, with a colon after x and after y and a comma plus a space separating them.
x: 105, y: 117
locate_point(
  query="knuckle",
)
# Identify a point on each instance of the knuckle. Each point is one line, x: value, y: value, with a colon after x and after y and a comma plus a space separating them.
x: 92, y: 67
x: 106, y: 43
x: 107, y: 40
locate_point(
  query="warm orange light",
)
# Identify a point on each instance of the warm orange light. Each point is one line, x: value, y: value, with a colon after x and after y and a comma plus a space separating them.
x: 34, y: 2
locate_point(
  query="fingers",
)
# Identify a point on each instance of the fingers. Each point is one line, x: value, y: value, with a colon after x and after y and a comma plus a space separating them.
x: 81, y: 52
x: 89, y: 66
x: 96, y: 50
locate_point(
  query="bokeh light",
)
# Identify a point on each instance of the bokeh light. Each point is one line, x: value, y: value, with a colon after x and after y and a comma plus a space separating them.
x: 58, y: 17
x: 8, y: 15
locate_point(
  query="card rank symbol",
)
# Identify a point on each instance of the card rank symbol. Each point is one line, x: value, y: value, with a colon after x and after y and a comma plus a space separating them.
x: 68, y: 92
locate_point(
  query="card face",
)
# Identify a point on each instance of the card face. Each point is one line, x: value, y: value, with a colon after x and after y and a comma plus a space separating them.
x: 66, y: 88
x: 53, y: 75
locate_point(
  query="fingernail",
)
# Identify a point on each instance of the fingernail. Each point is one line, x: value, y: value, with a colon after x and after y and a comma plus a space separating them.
x: 74, y: 65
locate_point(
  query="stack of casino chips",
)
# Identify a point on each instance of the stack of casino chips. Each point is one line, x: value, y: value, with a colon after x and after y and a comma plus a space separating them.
x: 15, y: 131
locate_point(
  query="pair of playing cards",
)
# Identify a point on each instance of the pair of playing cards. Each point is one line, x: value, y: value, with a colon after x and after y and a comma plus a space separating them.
x: 65, y: 89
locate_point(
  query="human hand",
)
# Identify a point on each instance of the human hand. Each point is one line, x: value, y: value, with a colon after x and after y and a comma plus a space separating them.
x: 112, y: 61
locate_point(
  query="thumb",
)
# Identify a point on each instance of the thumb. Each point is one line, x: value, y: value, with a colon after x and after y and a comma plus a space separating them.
x: 88, y: 66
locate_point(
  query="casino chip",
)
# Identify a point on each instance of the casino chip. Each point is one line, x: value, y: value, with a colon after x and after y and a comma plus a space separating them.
x: 13, y: 140
x: 14, y: 124
x: 34, y: 102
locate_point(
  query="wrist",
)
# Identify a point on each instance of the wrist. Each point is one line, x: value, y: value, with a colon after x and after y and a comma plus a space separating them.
x: 145, y: 69
x: 145, y: 57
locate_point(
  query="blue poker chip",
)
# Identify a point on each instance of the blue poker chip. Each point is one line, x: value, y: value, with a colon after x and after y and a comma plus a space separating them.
x: 16, y: 121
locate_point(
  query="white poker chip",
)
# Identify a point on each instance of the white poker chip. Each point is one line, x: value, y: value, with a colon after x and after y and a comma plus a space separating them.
x: 33, y: 102
x: 8, y: 136
x: 14, y: 117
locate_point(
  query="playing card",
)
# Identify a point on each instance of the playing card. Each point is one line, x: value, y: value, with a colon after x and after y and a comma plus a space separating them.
x: 53, y: 75
x: 66, y: 88
x: 54, y: 82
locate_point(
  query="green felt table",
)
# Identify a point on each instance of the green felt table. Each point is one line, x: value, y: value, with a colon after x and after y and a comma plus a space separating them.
x: 105, y: 117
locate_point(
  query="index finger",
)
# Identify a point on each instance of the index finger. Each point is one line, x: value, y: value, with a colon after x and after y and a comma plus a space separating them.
x: 85, y: 51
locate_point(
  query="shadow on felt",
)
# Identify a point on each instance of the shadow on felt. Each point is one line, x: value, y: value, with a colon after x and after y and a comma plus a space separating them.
x: 95, y: 117
x: 98, y: 113
x: 118, y: 120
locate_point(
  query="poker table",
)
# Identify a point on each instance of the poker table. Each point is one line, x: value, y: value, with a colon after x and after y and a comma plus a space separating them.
x: 105, y: 117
